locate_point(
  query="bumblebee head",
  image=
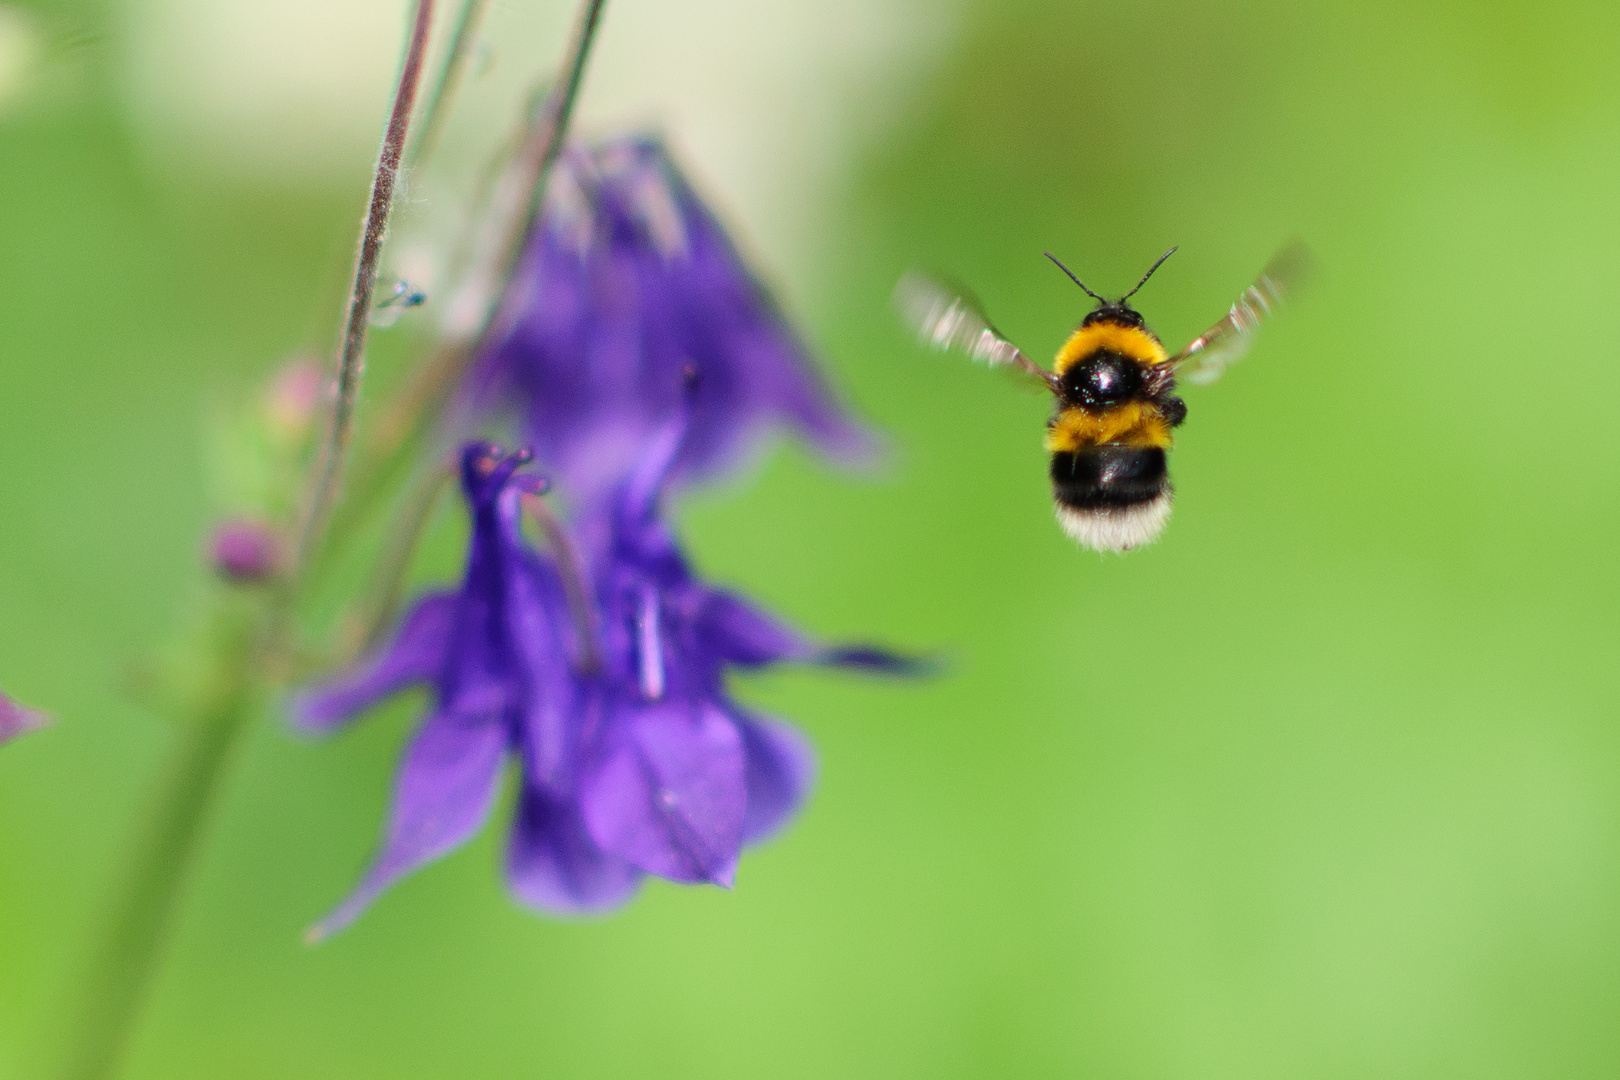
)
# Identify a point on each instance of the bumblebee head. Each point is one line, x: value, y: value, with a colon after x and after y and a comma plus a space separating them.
x: 1118, y: 312
x: 1101, y: 363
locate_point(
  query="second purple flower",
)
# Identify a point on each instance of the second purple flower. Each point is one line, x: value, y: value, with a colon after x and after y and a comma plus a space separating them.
x: 629, y: 281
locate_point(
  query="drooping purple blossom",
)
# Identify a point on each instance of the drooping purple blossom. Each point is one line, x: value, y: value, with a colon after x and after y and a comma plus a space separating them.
x: 633, y: 759
x: 16, y: 719
x: 630, y: 279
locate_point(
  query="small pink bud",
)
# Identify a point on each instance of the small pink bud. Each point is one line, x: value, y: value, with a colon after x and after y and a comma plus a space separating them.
x: 16, y: 720
x: 244, y: 551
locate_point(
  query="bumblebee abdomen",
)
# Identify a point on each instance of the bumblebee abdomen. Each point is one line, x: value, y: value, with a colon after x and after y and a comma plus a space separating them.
x: 1111, y: 498
x: 1108, y: 476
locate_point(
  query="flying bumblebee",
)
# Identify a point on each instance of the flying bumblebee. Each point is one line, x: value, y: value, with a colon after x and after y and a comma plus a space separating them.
x: 1114, y: 387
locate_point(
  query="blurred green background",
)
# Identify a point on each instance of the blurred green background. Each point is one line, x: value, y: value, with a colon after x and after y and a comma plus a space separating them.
x: 1327, y: 783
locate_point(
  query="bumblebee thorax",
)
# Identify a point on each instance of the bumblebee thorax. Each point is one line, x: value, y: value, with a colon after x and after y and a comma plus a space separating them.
x: 1102, y: 379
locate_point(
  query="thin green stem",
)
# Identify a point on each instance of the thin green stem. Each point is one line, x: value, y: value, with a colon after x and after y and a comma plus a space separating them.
x: 545, y: 146
x: 149, y: 896
x: 144, y: 907
x: 254, y: 661
x: 515, y: 205
x: 449, y: 80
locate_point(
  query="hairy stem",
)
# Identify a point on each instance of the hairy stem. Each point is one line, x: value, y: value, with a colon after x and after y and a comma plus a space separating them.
x: 254, y: 662
x: 351, y: 357
x: 473, y: 320
x: 474, y: 313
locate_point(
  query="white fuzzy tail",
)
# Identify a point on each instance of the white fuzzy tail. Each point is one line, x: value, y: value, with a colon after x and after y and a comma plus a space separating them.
x: 1116, y: 528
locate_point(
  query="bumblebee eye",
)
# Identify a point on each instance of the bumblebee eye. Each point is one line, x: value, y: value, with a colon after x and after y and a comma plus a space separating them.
x: 1103, y: 379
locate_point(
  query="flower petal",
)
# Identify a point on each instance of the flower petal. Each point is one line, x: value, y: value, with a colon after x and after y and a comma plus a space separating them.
x: 669, y: 795
x: 729, y: 323
x: 553, y: 864
x: 780, y: 770
x: 548, y: 699
x: 416, y: 654
x: 739, y: 633
x: 447, y: 784
x: 873, y: 658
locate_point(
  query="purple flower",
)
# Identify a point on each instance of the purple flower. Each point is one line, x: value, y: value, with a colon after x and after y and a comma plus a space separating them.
x: 629, y: 281
x: 633, y: 759
x: 17, y: 720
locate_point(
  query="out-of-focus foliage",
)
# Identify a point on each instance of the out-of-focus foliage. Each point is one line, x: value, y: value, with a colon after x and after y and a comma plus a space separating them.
x: 1326, y: 784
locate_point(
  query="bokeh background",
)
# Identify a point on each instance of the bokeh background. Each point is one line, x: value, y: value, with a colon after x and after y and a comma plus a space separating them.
x: 1327, y: 783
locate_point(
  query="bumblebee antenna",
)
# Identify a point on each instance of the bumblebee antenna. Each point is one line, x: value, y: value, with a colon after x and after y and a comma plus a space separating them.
x: 1147, y: 275
x: 1076, y: 280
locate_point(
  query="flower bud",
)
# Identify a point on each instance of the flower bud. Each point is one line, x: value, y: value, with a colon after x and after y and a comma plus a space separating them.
x: 292, y: 399
x: 245, y: 552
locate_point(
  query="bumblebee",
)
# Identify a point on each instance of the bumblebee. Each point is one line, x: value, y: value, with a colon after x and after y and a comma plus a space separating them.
x: 1113, y: 384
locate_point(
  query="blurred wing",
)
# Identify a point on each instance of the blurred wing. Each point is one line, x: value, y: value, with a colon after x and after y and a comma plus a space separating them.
x: 1213, y: 351
x: 951, y: 320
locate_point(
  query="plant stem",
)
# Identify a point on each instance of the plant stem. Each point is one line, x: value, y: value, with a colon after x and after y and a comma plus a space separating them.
x: 144, y: 908
x: 449, y: 80
x: 150, y: 892
x: 351, y: 358
x: 541, y: 151
x: 474, y: 314
x: 484, y: 297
